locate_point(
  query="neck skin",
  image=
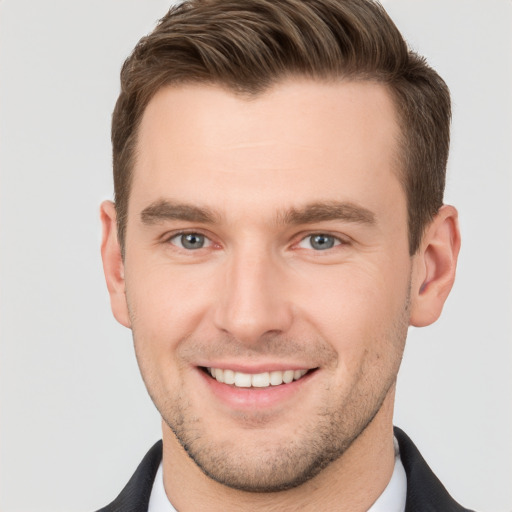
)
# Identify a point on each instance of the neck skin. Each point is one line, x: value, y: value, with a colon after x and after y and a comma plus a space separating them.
x: 352, y: 483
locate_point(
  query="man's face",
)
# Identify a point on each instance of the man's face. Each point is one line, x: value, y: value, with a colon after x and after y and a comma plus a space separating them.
x: 267, y: 241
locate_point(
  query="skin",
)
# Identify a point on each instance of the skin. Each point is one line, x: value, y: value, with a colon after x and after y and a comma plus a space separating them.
x: 257, y: 178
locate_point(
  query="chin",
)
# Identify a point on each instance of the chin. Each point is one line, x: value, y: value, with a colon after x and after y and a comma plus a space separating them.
x: 266, y: 460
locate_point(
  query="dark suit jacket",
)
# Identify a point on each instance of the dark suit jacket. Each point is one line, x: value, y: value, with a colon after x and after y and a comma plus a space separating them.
x: 425, y: 493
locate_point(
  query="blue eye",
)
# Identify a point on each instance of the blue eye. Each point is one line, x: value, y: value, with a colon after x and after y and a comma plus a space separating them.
x: 319, y: 242
x: 190, y: 241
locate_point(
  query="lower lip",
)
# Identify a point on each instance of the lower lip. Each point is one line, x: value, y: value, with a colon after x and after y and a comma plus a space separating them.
x: 254, y: 398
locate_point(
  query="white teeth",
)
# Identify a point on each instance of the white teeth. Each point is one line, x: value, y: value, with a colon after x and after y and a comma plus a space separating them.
x: 260, y: 380
x: 256, y: 380
x: 229, y: 377
x: 242, y: 380
x: 276, y: 378
x: 288, y: 376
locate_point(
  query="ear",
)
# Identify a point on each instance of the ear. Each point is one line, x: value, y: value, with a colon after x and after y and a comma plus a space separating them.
x: 113, y: 266
x: 434, y: 267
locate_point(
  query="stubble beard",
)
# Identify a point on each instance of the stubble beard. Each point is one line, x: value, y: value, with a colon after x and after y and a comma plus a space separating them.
x: 254, y: 467
x: 325, y: 435
x: 323, y: 440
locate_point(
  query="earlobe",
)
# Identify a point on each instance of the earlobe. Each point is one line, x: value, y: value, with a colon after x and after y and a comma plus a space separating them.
x: 113, y: 266
x: 434, y: 267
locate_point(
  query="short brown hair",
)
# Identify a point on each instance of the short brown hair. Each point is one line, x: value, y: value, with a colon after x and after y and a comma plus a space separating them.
x: 249, y: 45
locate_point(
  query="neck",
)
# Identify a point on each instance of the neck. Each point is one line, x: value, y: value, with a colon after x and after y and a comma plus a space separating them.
x: 351, y: 483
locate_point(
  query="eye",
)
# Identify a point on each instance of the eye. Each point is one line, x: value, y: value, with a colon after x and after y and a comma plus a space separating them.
x: 319, y: 242
x: 190, y: 241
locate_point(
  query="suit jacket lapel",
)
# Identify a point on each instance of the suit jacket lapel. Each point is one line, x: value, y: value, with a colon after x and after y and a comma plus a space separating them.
x: 425, y: 493
x: 135, y: 496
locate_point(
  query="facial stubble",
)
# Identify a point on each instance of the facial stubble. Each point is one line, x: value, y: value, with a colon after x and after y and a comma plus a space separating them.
x: 325, y: 434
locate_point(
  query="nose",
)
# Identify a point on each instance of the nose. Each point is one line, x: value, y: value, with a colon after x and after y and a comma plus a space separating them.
x: 255, y: 300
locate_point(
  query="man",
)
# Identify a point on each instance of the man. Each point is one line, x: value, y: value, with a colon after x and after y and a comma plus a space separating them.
x: 278, y: 224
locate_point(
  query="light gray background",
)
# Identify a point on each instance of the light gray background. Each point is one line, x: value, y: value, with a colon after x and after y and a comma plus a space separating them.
x: 75, y: 419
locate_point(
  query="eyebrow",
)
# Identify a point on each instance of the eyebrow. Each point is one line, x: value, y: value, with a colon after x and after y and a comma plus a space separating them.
x: 162, y: 210
x: 325, y: 211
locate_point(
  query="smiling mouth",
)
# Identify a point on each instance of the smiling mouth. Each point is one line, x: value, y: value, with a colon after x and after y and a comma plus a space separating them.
x: 256, y: 380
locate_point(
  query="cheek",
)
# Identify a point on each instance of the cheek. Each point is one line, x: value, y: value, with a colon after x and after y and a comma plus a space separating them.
x: 164, y: 299
x: 162, y: 315
x: 356, y: 308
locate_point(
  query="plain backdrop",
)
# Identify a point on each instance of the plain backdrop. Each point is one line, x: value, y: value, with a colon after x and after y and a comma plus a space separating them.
x: 75, y: 419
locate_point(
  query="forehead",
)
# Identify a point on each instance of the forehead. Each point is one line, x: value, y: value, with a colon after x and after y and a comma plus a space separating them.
x: 298, y: 140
